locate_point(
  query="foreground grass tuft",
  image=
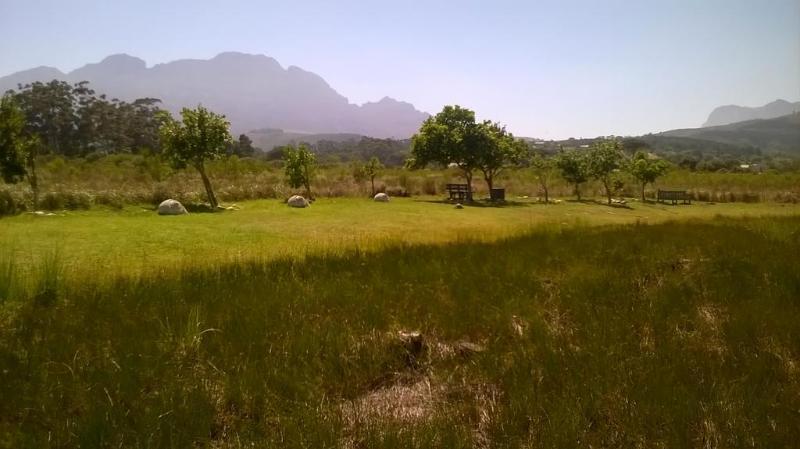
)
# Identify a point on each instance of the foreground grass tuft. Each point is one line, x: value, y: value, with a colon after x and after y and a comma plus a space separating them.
x: 670, y: 335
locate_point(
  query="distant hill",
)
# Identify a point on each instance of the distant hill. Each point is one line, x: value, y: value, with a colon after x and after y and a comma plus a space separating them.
x: 334, y: 147
x: 253, y: 91
x: 724, y: 115
x: 267, y: 139
x: 780, y: 134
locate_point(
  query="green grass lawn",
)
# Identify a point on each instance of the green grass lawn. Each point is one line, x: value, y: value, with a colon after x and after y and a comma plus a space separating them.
x: 673, y: 335
x: 133, y: 240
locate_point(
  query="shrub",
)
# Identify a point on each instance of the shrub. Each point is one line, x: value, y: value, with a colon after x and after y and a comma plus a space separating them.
x: 160, y: 193
x: 429, y: 186
x: 110, y: 199
x: 51, y: 201
x: 10, y: 203
x: 66, y: 200
x: 77, y: 201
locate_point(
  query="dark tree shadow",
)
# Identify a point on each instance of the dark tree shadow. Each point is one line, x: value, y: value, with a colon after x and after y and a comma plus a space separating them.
x: 480, y: 203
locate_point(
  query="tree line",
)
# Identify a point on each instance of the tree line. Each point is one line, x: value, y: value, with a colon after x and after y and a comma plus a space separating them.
x: 451, y: 138
x: 73, y: 120
x: 454, y: 138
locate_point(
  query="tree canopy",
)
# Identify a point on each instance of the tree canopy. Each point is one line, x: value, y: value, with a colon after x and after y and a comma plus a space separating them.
x: 453, y: 137
x: 300, y: 167
x: 72, y: 120
x: 604, y: 159
x: 200, y: 136
x: 573, y: 165
x: 544, y: 169
x: 13, y: 141
x: 646, y: 169
x: 498, y: 150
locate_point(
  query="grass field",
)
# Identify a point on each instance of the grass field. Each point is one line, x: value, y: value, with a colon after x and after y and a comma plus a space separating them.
x: 107, y: 242
x: 678, y: 334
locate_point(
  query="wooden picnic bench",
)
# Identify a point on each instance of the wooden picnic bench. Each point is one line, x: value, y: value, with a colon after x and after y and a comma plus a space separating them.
x: 458, y: 192
x: 674, y: 196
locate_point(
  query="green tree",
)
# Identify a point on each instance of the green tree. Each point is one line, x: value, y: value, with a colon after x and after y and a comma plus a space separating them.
x: 71, y: 120
x: 451, y: 137
x: 604, y: 159
x: 301, y: 165
x: 18, y: 148
x: 242, y: 147
x: 646, y: 169
x: 544, y: 169
x: 201, y: 136
x: 358, y: 172
x: 371, y: 170
x: 497, y: 150
x: 50, y: 114
x: 574, y: 168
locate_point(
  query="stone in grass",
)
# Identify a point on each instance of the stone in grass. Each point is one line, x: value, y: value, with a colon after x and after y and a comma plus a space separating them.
x: 297, y: 201
x: 171, y: 207
x: 381, y: 198
x: 459, y: 206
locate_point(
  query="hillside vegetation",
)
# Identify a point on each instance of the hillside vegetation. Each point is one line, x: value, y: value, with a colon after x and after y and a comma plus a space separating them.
x: 781, y: 134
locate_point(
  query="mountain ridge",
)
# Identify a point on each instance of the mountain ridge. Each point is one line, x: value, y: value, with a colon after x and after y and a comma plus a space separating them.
x: 771, y: 134
x: 253, y: 90
x: 731, y: 113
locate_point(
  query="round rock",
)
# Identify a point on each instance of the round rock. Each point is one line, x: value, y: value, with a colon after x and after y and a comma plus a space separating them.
x: 297, y: 201
x: 381, y: 198
x: 171, y: 207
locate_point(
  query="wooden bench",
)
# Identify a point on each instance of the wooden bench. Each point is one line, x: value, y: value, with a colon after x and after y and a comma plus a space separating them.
x: 458, y: 192
x: 673, y: 195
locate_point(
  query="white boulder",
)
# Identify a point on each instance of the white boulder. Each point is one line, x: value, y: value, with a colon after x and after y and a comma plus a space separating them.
x: 297, y: 201
x: 381, y: 197
x: 171, y: 207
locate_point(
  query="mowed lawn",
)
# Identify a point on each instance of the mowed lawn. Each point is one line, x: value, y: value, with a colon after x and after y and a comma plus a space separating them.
x: 136, y: 239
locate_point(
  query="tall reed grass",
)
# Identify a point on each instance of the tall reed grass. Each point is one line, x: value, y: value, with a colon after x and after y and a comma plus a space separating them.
x: 670, y: 335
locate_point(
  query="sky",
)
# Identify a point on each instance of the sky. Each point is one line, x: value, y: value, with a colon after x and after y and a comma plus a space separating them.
x: 548, y: 69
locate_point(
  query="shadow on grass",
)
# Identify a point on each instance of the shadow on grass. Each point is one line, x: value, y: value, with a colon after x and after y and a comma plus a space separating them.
x: 600, y: 203
x: 481, y: 203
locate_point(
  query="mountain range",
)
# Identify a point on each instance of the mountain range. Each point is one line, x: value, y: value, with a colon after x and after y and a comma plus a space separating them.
x: 253, y: 91
x: 769, y: 134
x: 725, y: 115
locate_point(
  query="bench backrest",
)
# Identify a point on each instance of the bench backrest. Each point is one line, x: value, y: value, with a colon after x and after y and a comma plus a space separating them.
x: 457, y: 187
x: 672, y: 194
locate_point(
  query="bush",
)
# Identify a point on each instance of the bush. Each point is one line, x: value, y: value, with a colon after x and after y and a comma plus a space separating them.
x: 110, y: 199
x: 10, y: 203
x: 66, y: 200
x: 51, y: 201
x: 78, y: 201
x: 160, y: 193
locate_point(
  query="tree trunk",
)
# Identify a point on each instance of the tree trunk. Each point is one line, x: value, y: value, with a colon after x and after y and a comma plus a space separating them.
x: 643, y: 199
x: 34, y: 181
x: 546, y: 193
x: 608, y: 191
x: 468, y: 177
x: 489, y: 182
x: 212, y: 199
x: 372, y: 180
x: 578, y: 190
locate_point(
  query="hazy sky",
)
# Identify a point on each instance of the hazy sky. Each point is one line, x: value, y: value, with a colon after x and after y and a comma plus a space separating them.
x: 549, y: 69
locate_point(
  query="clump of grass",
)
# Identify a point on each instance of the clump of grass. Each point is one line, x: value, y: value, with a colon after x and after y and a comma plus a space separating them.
x: 8, y: 277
